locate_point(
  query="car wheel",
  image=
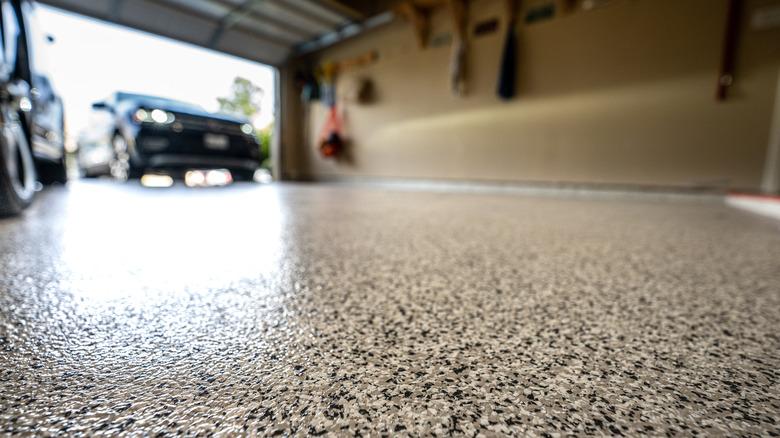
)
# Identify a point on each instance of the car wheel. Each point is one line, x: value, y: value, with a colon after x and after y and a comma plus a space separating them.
x: 17, y: 168
x: 53, y: 173
x: 120, y: 167
x: 89, y: 175
x: 243, y: 175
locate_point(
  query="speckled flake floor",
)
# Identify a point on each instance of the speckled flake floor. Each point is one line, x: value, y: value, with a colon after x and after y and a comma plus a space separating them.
x: 312, y: 310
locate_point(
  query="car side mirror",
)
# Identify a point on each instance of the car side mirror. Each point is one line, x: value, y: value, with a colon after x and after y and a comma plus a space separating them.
x: 102, y: 106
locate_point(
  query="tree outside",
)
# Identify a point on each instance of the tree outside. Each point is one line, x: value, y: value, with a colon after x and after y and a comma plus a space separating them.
x: 246, y: 101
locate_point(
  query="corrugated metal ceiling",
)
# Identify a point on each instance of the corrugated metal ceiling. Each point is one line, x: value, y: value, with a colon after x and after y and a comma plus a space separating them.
x: 268, y: 31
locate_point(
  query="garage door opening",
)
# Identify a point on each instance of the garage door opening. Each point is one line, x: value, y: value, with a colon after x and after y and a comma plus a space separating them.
x: 189, y: 110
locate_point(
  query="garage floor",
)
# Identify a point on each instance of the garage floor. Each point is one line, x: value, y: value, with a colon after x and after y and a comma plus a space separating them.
x: 313, y: 309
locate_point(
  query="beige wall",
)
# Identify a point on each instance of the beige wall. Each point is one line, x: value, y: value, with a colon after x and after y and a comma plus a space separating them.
x: 621, y: 95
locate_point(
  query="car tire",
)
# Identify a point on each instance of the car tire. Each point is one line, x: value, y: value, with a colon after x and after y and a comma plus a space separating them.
x: 121, y: 167
x: 53, y: 172
x: 89, y: 175
x: 17, y: 166
x: 243, y: 175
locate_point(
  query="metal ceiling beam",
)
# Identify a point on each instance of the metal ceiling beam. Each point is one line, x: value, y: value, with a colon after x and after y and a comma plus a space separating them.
x: 239, y: 15
x: 303, y: 15
x: 231, y: 19
x: 254, y: 15
x: 372, y: 8
x: 339, y: 8
x: 267, y: 36
x: 267, y: 39
x: 299, y: 32
x: 207, y: 8
x: 348, y: 31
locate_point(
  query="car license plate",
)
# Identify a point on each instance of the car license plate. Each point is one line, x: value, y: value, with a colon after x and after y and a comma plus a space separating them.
x: 216, y: 141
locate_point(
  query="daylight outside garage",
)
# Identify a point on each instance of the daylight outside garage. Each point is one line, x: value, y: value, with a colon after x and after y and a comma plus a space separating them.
x: 390, y: 218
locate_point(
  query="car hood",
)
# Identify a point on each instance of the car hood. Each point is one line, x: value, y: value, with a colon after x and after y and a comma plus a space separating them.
x: 193, y: 111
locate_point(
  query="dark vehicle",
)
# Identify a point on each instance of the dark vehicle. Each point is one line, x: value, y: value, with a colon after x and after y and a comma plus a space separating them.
x: 131, y: 134
x: 31, y: 113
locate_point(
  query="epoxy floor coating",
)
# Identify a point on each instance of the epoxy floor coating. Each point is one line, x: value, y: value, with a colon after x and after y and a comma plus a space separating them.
x: 309, y: 310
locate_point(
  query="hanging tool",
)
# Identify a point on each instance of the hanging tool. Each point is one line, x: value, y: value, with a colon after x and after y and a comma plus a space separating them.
x: 459, y: 63
x: 507, y: 77
x: 331, y: 141
x: 729, y: 55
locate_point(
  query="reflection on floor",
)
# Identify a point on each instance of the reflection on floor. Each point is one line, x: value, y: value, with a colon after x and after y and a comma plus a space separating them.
x: 300, y: 309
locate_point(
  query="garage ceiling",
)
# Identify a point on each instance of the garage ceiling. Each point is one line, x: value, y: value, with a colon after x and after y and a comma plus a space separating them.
x: 268, y: 31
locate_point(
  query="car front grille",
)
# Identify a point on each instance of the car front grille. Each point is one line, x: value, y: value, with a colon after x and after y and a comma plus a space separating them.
x: 193, y: 123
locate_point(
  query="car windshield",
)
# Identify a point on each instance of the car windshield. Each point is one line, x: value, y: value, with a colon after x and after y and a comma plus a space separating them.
x: 153, y: 100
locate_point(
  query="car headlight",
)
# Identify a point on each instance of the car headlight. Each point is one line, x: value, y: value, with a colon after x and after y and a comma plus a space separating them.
x: 247, y: 129
x: 158, y: 116
x: 141, y: 116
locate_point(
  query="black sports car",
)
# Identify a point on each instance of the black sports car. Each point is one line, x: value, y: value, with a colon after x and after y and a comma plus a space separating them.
x: 132, y: 134
x: 31, y: 113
